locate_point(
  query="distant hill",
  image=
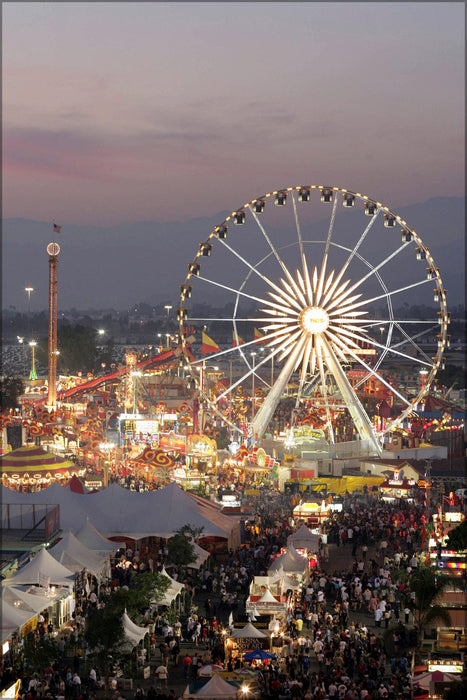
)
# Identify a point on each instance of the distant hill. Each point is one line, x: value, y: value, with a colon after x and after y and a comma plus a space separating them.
x: 118, y: 266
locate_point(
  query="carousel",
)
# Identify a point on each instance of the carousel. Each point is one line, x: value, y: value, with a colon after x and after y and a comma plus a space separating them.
x: 31, y: 465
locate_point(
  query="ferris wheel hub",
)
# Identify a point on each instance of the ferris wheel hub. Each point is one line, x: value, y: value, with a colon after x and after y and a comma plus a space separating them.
x: 313, y: 319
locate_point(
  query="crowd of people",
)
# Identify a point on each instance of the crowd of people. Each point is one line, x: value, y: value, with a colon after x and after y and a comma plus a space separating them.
x: 346, y: 635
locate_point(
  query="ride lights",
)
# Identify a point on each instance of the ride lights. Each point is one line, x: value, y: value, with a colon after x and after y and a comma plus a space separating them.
x: 259, y: 206
x: 438, y: 293
x: 421, y: 253
x: 220, y: 232
x: 441, y: 317
x: 370, y: 208
x: 389, y: 220
x: 348, y: 200
x: 431, y: 273
x: 182, y: 314
x: 193, y: 268
x: 280, y: 199
x: 326, y: 194
x: 406, y: 236
x: 185, y: 291
x: 304, y: 194
x: 239, y: 218
x: 205, y: 249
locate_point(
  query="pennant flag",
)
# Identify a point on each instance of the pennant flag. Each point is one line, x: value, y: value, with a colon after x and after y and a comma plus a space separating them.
x: 259, y: 337
x: 57, y: 229
x: 236, y: 340
x: 208, y: 345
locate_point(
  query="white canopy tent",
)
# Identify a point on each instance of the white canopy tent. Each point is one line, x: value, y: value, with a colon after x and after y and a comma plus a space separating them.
x: 76, y: 556
x: 160, y: 513
x: 92, y: 539
x: 291, y: 563
x: 201, y: 556
x: 45, y: 570
x: 172, y: 592
x: 248, y: 632
x: 28, y: 598
x: 133, y: 633
x: 303, y: 538
x: 216, y: 687
x: 12, y: 619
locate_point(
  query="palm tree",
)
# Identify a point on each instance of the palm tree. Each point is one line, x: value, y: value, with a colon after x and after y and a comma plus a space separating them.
x: 428, y: 585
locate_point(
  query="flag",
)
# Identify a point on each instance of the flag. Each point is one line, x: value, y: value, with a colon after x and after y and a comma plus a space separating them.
x: 259, y: 337
x: 236, y: 340
x: 57, y: 229
x: 208, y: 345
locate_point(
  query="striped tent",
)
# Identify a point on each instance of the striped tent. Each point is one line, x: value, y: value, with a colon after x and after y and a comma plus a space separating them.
x: 32, y: 464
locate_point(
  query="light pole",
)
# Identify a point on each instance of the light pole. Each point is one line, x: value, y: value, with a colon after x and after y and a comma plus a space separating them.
x: 28, y: 291
x: 381, y: 330
x: 21, y: 342
x: 168, y: 308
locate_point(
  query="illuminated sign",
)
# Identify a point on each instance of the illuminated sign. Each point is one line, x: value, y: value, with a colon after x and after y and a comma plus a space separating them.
x: 445, y: 666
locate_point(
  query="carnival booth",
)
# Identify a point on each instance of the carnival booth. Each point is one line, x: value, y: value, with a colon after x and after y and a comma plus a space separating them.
x: 395, y: 489
x: 31, y: 465
x: 315, y: 513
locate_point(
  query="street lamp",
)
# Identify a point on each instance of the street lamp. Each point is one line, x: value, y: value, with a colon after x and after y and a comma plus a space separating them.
x: 168, y: 308
x: 28, y: 291
x: 381, y: 330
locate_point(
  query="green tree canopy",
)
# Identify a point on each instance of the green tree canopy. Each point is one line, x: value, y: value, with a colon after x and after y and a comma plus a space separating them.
x: 10, y: 389
x: 457, y: 539
x: 181, y: 549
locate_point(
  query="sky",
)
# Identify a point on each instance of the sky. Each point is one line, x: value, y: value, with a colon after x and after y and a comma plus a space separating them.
x: 128, y: 111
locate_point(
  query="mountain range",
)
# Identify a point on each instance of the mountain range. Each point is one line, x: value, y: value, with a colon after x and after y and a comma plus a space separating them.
x: 119, y: 266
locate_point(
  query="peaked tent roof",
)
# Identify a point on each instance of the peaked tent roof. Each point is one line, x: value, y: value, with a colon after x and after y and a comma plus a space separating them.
x: 217, y: 687
x: 92, y: 539
x: 45, y: 565
x: 76, y: 556
x: 33, y: 459
x: 27, y: 598
x: 248, y: 632
x: 290, y: 562
x: 133, y: 633
x: 12, y: 618
x: 159, y: 513
x: 303, y: 539
x: 267, y: 597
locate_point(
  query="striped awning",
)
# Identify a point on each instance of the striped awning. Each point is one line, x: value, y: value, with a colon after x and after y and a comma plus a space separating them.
x: 33, y: 459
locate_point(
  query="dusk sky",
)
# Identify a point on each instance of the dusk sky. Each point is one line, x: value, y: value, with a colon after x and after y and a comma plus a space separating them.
x: 121, y: 112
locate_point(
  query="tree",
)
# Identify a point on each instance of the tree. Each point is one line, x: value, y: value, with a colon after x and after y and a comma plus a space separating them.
x: 457, y: 539
x: 456, y: 691
x: 10, y: 389
x: 104, y: 635
x: 104, y: 630
x: 429, y: 585
x: 181, y: 549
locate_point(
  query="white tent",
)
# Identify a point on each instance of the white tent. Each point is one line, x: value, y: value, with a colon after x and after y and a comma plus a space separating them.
x: 201, y: 556
x: 28, y: 598
x: 92, y: 539
x: 303, y: 538
x: 217, y: 687
x: 248, y: 632
x: 291, y: 562
x: 160, y: 513
x: 44, y: 570
x: 172, y: 592
x: 12, y: 618
x: 76, y: 556
x: 133, y: 633
x: 266, y: 604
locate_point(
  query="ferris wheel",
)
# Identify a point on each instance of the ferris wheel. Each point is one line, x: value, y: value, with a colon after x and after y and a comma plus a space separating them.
x: 321, y: 290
